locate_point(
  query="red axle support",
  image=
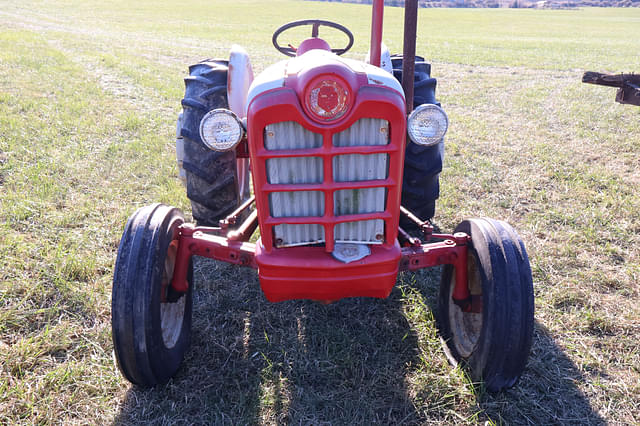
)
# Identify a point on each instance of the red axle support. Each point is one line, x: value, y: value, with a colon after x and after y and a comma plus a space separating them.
x: 451, y: 251
x: 232, y: 218
x: 244, y: 232
x: 282, y: 274
x: 194, y: 242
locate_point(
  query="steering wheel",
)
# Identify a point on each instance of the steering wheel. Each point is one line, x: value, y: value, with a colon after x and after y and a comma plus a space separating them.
x: 317, y: 23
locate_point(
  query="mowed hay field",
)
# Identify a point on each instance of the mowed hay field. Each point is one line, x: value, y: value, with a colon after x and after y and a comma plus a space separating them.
x: 89, y: 94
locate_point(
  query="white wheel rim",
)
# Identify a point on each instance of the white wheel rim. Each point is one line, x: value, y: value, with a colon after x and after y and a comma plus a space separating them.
x: 171, y: 313
x: 466, y: 326
x: 171, y: 317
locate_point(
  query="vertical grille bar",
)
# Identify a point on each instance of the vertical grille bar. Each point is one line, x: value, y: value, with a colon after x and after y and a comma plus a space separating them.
x: 357, y: 167
x: 289, y: 135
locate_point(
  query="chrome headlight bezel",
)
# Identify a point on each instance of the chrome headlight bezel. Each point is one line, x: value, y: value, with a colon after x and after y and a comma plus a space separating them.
x: 221, y: 130
x: 435, y: 117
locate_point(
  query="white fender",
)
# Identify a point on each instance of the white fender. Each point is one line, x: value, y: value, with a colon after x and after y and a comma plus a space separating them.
x: 239, y: 78
x: 385, y: 58
x: 180, y: 151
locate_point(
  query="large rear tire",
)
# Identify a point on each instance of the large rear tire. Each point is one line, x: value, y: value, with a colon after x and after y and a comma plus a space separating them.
x: 493, y: 340
x: 151, y: 324
x: 213, y: 185
x: 422, y: 165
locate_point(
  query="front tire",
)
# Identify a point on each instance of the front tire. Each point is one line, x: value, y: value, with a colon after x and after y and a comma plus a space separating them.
x: 151, y: 324
x: 493, y: 340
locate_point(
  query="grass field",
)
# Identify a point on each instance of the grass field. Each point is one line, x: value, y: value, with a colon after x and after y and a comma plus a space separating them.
x: 89, y: 94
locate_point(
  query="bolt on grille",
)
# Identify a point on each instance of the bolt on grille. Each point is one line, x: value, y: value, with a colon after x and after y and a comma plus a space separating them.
x: 310, y: 169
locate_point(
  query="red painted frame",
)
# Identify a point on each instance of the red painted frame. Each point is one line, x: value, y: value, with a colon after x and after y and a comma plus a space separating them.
x: 284, y: 272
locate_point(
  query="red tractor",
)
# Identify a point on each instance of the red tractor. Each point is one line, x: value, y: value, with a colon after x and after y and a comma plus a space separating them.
x: 341, y: 155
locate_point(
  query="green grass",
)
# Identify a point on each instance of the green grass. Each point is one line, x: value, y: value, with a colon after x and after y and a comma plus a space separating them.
x: 89, y: 93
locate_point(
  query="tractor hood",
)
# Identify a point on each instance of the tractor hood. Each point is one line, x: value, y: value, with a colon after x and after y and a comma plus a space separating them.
x: 296, y: 72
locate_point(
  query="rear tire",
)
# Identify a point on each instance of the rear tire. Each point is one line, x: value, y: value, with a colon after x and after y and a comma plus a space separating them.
x: 494, y: 343
x: 151, y: 324
x: 212, y: 183
x: 422, y: 165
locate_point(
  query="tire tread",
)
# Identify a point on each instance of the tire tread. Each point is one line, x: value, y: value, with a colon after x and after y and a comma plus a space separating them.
x: 136, y: 331
x: 212, y: 184
x: 421, y: 179
x: 505, y: 340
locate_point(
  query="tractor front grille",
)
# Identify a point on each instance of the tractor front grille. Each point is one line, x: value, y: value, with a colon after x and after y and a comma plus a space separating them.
x: 314, y: 174
x: 318, y: 184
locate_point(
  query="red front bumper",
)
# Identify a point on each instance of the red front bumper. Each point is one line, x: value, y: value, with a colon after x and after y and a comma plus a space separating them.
x: 312, y: 273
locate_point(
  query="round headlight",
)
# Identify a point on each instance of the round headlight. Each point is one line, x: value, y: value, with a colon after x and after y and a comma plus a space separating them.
x: 221, y: 130
x: 427, y: 124
x: 327, y: 98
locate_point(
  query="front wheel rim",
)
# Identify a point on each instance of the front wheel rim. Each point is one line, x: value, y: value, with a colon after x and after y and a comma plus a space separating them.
x: 466, y: 326
x: 171, y: 313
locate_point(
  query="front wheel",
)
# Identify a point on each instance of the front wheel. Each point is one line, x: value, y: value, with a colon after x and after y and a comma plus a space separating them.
x: 151, y: 324
x: 493, y: 340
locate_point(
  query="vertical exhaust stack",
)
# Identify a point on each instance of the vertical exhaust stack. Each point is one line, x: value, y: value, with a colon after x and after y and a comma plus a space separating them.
x: 376, y: 32
x: 409, y: 50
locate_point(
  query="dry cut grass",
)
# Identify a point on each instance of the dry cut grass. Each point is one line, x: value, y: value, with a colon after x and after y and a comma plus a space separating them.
x: 88, y: 97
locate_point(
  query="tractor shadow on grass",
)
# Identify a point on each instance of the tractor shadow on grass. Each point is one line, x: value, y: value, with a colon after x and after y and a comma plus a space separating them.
x: 358, y: 361
x: 298, y: 362
x: 547, y: 391
x: 545, y: 394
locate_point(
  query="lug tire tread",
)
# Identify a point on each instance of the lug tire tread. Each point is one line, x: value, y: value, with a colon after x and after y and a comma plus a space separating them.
x: 423, y: 164
x: 212, y: 184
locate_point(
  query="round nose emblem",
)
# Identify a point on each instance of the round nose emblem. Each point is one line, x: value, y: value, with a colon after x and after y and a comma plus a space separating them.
x: 327, y: 98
